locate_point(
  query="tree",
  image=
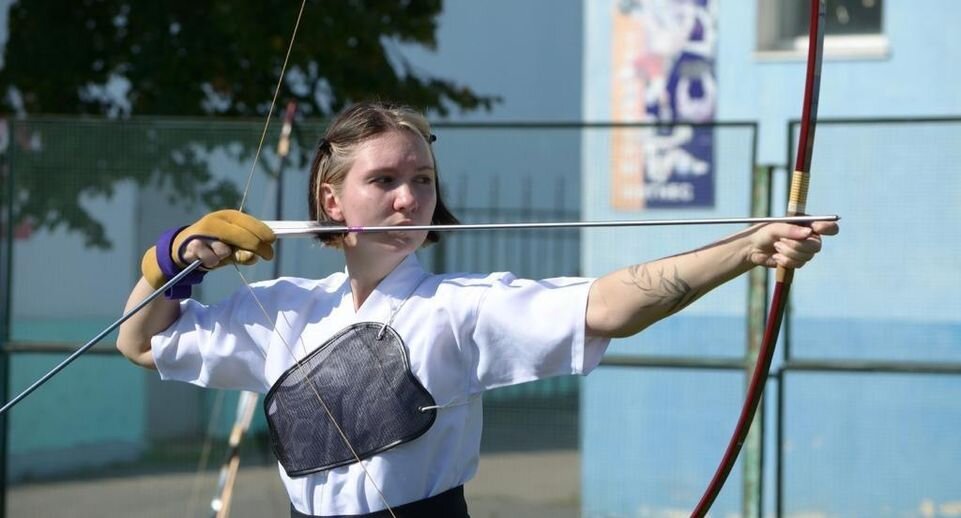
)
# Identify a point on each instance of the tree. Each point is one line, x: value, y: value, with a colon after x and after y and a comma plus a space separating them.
x: 121, y: 58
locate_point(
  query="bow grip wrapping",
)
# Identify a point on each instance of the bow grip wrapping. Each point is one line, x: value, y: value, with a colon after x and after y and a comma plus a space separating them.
x: 797, y: 201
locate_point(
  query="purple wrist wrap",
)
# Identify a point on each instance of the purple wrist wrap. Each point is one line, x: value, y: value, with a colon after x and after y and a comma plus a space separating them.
x: 182, y: 289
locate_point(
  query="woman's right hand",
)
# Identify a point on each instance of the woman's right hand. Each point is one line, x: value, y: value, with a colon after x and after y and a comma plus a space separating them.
x: 217, y: 239
x: 224, y: 237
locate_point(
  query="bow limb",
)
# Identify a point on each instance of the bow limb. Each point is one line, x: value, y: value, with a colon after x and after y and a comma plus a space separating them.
x: 247, y: 404
x: 784, y: 276
x: 220, y: 505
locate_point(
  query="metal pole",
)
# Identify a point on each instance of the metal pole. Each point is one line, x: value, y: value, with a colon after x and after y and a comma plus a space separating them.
x: 283, y: 154
x: 752, y: 497
x: 6, y: 271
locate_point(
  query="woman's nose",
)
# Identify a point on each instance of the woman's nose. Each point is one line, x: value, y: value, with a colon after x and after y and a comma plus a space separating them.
x: 405, y: 199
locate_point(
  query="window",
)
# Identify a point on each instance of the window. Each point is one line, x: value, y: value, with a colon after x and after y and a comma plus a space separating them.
x: 853, y: 27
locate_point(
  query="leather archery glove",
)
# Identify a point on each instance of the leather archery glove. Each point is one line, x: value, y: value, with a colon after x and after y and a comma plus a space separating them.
x: 249, y: 237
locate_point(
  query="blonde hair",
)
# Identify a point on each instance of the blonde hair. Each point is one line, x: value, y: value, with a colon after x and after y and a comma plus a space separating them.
x: 335, y: 156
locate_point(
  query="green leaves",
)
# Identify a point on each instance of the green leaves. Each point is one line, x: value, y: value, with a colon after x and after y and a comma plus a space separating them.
x: 121, y: 58
x: 178, y: 56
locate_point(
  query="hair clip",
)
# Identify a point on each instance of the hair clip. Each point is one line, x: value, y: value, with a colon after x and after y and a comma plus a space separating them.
x: 323, y: 144
x: 432, y: 138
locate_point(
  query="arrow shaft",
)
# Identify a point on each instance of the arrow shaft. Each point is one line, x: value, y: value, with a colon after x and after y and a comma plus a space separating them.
x: 308, y: 228
x: 100, y: 336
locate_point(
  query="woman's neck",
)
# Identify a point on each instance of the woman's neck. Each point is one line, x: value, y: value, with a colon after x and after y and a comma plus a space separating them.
x: 366, y: 270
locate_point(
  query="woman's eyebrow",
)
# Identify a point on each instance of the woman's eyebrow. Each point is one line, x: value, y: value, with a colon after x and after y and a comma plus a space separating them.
x: 394, y: 170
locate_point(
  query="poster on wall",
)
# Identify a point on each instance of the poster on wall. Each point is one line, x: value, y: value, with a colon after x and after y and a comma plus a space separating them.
x: 663, y: 57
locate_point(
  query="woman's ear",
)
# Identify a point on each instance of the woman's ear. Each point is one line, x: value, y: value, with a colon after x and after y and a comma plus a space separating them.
x: 331, y: 202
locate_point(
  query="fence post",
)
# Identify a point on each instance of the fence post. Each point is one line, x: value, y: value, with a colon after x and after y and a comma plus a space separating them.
x: 757, y: 296
x: 6, y: 269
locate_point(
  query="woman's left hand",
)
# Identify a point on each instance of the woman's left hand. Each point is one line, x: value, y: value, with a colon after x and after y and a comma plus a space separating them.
x: 790, y: 246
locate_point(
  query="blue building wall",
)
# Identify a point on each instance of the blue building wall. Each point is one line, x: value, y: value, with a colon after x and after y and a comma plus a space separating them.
x: 529, y: 53
x: 886, y: 288
x: 914, y: 78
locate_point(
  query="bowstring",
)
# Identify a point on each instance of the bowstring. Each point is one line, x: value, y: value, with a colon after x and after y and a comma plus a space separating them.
x: 300, y: 365
x: 243, y: 200
x: 244, y: 281
x: 273, y: 103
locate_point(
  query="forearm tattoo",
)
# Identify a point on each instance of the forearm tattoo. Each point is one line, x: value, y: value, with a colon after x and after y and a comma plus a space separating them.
x: 663, y: 289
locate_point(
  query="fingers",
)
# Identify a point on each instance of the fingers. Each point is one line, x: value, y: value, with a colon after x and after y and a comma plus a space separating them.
x: 211, y: 253
x: 244, y: 232
x: 244, y: 257
x: 789, y: 231
x: 796, y: 246
x: 790, y: 246
x: 795, y: 254
x: 251, y: 224
x: 228, y: 228
x: 826, y: 228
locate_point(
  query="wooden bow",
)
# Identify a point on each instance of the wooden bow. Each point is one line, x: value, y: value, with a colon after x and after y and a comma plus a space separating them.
x: 796, y: 206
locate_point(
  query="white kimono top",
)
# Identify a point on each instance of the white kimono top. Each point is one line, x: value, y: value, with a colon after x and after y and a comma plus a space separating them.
x: 464, y: 333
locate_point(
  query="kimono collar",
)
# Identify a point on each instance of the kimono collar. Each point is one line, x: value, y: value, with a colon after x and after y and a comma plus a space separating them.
x: 392, y: 290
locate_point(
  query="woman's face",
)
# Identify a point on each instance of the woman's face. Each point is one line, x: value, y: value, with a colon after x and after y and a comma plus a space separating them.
x: 391, y: 182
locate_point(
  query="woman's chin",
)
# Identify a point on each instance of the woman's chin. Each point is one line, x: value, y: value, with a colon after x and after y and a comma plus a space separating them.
x: 394, y: 242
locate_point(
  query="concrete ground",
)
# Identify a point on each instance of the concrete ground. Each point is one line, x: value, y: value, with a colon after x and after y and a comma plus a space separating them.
x: 509, y: 485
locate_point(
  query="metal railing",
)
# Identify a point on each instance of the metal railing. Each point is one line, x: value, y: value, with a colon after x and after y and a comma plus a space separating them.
x: 521, y: 193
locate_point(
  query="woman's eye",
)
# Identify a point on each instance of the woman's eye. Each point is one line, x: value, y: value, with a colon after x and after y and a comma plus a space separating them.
x: 427, y: 180
x: 383, y: 180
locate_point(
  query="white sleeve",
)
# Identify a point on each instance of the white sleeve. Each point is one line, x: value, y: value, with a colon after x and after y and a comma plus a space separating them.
x: 527, y: 330
x: 213, y: 346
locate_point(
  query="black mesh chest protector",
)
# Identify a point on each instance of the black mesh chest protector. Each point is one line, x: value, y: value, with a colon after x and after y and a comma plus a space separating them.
x: 363, y: 376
